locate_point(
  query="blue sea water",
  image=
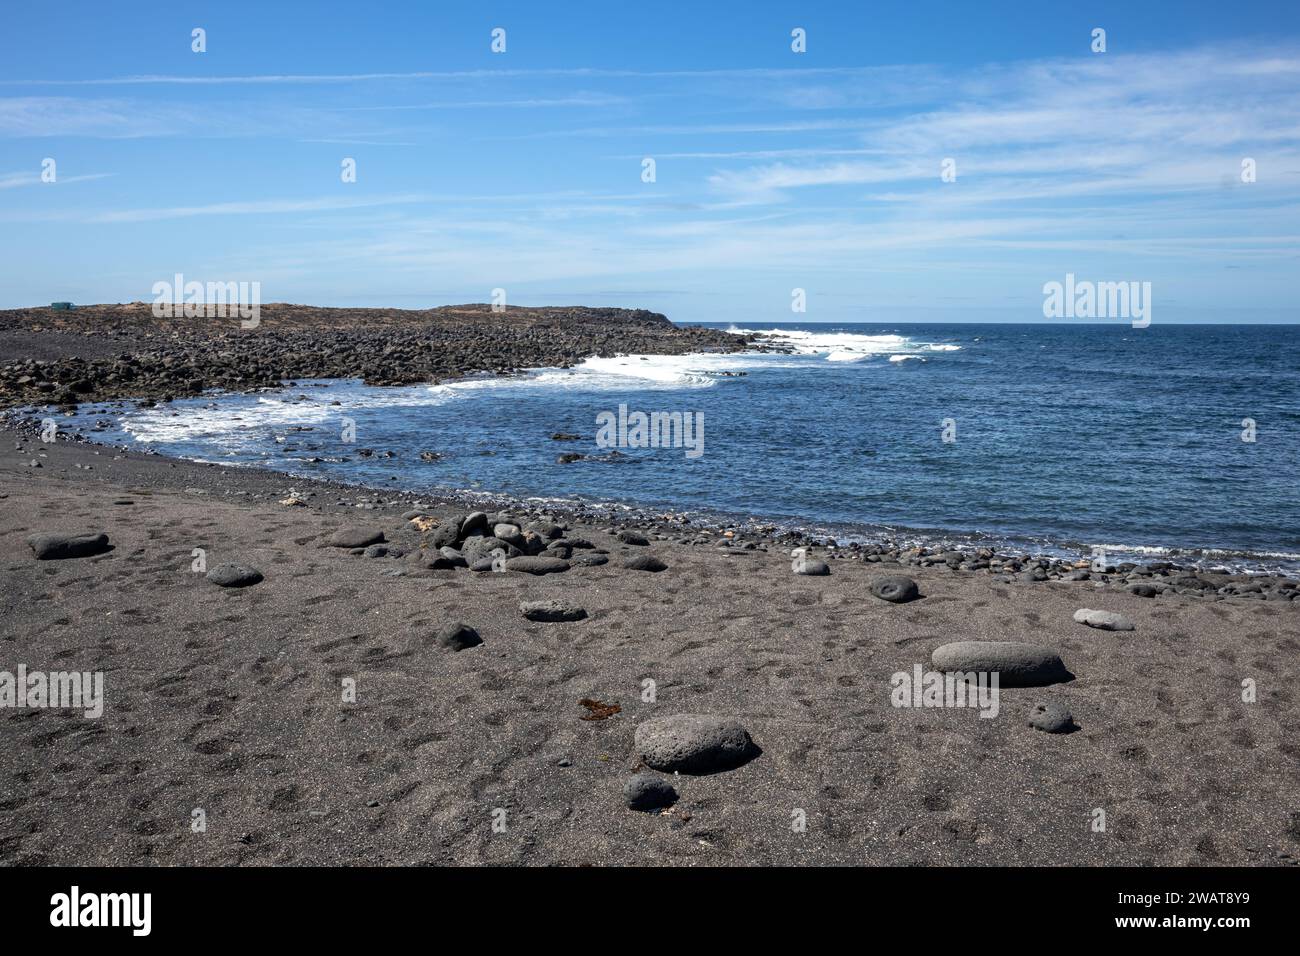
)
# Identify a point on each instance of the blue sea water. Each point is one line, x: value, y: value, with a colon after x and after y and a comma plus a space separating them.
x: 1065, y: 437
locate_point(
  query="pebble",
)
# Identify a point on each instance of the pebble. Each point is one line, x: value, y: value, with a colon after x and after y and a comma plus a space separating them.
x: 647, y: 793
x: 1017, y: 664
x: 1103, y: 620
x: 645, y: 562
x: 537, y: 565
x: 1051, y: 718
x: 478, y: 546
x: 896, y: 589
x: 457, y: 636
x: 455, y: 557
x: 234, y: 575
x: 551, y: 611
x: 356, y: 537
x: 446, y: 534
x: 694, y: 743
x: 475, y: 522
x: 56, y: 545
x: 509, y: 533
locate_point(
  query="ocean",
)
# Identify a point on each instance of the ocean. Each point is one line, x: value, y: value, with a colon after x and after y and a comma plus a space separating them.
x: 1177, y: 441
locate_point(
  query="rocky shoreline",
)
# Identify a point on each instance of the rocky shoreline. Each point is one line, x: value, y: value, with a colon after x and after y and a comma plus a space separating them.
x: 106, y: 352
x: 124, y: 353
x: 1155, y: 579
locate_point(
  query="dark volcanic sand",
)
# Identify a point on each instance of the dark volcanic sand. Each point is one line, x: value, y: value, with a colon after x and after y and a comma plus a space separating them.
x: 229, y: 700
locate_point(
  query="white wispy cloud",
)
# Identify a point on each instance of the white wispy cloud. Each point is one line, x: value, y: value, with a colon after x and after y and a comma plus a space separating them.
x: 327, y: 78
x: 1064, y: 129
x: 577, y: 99
x: 17, y: 179
x: 248, y: 208
x: 828, y: 172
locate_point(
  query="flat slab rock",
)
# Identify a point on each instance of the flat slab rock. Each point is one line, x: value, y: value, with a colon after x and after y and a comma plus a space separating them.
x: 694, y: 744
x: 1103, y: 620
x: 58, y: 545
x: 552, y: 611
x: 356, y: 537
x: 1016, y: 664
x: 234, y: 575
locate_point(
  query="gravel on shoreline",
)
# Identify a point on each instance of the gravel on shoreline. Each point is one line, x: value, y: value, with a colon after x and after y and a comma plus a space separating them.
x: 1154, y: 579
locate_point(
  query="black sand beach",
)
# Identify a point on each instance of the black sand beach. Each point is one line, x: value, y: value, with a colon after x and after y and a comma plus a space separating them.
x: 230, y: 700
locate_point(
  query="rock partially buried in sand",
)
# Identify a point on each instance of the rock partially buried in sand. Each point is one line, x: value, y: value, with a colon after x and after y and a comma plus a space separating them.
x: 1017, y: 665
x: 693, y: 743
x: 234, y: 576
x: 457, y: 636
x: 590, y: 560
x: 56, y: 546
x: 356, y: 537
x: 646, y: 792
x: 538, y: 565
x: 813, y: 568
x: 632, y: 537
x: 895, y: 590
x: 552, y: 611
x: 1103, y: 620
x: 1051, y: 718
x: 645, y: 562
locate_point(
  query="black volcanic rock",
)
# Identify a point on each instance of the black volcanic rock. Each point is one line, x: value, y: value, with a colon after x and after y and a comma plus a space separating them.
x: 103, y: 352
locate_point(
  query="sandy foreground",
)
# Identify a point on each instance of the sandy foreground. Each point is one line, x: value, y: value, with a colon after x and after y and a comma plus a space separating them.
x: 229, y: 701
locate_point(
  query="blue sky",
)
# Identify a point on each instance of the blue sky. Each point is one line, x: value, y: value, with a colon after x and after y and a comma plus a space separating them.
x: 774, y: 170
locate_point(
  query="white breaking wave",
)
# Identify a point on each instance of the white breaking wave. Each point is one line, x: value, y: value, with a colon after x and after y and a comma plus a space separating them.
x: 847, y: 346
x: 229, y: 428
x: 621, y: 373
x: 1177, y: 551
x: 244, y: 428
